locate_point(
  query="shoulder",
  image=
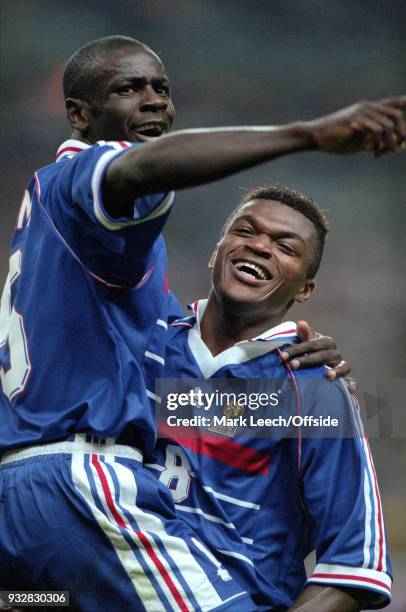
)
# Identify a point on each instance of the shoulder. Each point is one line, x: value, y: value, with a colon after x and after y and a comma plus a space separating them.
x: 319, y: 393
x: 179, y: 328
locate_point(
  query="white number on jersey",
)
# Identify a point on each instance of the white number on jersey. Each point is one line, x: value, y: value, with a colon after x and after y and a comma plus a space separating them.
x: 176, y: 475
x: 12, y: 334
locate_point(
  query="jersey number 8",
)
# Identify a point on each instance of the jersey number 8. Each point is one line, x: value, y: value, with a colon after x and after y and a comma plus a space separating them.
x: 177, y: 473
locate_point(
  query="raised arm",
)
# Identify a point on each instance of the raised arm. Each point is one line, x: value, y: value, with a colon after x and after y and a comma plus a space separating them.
x: 192, y: 157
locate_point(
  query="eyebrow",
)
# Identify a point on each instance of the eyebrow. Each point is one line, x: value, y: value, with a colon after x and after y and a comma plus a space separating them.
x: 141, y: 79
x: 252, y: 220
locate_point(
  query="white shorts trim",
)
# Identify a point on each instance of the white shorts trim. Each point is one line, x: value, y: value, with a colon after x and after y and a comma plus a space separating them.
x: 79, y: 445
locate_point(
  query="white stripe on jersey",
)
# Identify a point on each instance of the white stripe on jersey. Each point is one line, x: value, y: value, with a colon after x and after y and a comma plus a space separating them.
x: 209, y: 517
x: 220, y: 570
x: 371, y: 494
x: 232, y: 500
x: 153, y: 396
x: 236, y: 555
x: 368, y: 517
x: 155, y: 357
x: 355, y: 576
x: 162, y: 323
x: 99, y: 212
x: 379, y: 530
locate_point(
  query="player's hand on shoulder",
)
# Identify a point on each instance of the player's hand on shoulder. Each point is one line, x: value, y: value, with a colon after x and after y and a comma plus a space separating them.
x: 377, y: 126
x: 316, y: 350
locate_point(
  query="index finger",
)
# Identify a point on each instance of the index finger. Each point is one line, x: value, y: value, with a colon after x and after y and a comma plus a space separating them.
x: 396, y: 101
x: 311, y: 346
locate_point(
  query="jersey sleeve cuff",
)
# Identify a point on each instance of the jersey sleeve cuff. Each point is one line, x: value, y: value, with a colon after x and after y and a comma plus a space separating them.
x: 355, y: 577
x: 145, y: 209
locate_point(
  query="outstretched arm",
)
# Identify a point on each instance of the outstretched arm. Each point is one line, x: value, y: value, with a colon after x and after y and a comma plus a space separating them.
x: 192, y: 157
x: 365, y: 126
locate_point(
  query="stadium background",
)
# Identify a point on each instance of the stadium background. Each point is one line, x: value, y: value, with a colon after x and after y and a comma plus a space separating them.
x: 235, y: 62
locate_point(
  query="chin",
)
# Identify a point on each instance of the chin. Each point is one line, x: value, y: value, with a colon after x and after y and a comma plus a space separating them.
x: 239, y: 301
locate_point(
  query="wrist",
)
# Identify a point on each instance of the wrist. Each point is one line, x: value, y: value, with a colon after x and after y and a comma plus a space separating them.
x: 312, y: 131
x: 306, y: 134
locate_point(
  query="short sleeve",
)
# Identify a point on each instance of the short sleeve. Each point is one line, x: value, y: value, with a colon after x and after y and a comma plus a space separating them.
x: 114, y: 249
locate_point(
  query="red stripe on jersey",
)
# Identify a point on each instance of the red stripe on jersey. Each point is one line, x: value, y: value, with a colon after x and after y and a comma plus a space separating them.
x: 229, y: 452
x: 351, y: 577
x: 152, y: 554
x: 289, y: 332
x: 66, y: 149
x: 181, y: 325
x: 123, y: 144
x: 380, y: 518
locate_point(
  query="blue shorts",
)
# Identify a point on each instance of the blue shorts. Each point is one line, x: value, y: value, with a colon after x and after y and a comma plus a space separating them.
x: 90, y: 519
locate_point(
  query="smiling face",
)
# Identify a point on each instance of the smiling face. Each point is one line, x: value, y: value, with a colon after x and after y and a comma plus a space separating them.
x: 133, y: 99
x: 260, y: 265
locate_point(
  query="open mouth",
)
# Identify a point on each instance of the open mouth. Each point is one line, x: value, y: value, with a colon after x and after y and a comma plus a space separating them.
x: 151, y: 130
x: 253, y: 270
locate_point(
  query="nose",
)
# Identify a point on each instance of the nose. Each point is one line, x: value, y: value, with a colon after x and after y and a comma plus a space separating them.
x: 261, y: 245
x: 152, y: 101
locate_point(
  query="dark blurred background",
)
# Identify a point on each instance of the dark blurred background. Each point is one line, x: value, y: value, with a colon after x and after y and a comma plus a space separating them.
x: 235, y: 62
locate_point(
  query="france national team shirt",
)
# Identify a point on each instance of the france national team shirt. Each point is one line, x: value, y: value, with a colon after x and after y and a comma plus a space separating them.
x: 84, y: 310
x: 265, y: 503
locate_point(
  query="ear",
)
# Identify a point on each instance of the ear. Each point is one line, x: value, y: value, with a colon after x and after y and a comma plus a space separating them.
x: 213, y: 258
x: 78, y: 113
x: 305, y: 291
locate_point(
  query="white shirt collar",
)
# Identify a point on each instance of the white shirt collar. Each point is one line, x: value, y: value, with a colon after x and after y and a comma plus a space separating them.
x: 70, y: 148
x: 284, y: 333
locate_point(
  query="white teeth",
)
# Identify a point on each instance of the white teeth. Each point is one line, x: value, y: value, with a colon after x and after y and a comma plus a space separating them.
x: 246, y: 264
x: 150, y: 126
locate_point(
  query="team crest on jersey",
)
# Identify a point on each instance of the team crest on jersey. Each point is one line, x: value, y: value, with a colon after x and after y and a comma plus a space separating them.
x: 228, y: 424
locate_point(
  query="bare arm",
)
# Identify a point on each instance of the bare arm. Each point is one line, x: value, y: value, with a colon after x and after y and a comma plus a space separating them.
x: 330, y: 599
x: 192, y: 157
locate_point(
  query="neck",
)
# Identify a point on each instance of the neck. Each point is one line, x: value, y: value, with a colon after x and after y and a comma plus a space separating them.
x: 222, y: 327
x: 76, y: 135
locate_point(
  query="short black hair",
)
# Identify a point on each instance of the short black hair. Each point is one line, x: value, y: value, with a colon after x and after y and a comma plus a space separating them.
x: 80, y: 77
x: 289, y: 197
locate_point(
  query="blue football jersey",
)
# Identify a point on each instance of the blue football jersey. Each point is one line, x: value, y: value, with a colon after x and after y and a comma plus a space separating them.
x: 84, y: 310
x: 264, y: 503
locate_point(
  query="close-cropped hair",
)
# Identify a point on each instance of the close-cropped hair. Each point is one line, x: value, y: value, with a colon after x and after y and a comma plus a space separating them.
x: 299, y: 202
x: 84, y: 67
